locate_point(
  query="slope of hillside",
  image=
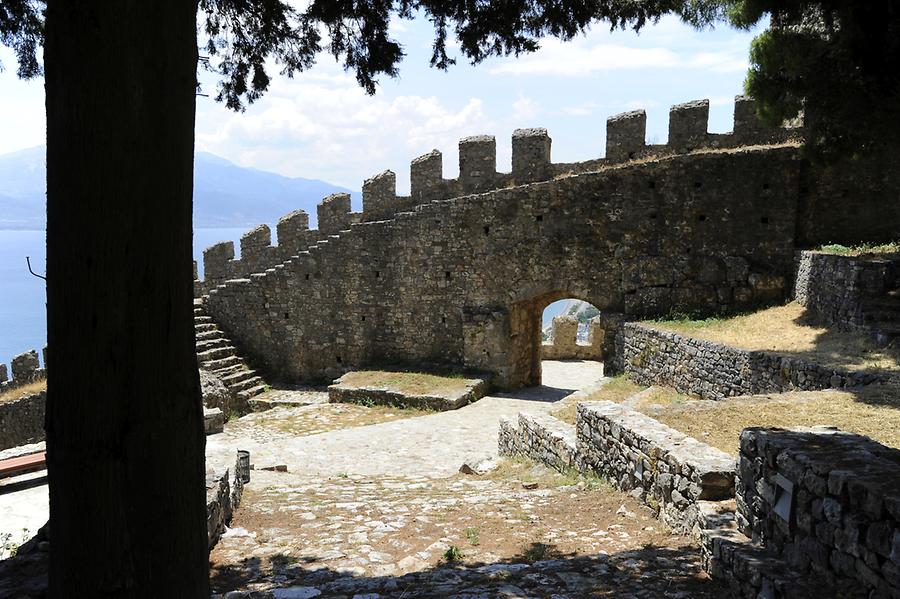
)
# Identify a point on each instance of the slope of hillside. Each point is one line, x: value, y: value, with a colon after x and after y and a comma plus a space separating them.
x: 225, y: 194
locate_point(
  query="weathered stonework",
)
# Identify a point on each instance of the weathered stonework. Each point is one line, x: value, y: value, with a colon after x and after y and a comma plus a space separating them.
x: 458, y: 273
x: 670, y: 471
x: 715, y: 371
x: 25, y: 369
x: 224, y: 487
x: 540, y: 437
x: 825, y: 504
x: 345, y: 392
x: 853, y: 293
x: 22, y: 420
x: 564, y: 345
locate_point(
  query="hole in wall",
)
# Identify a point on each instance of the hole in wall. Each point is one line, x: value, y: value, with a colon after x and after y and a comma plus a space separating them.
x: 338, y: 358
x: 766, y: 187
x: 652, y: 215
x: 539, y: 218
x: 377, y: 274
x: 307, y: 276
x: 698, y: 184
x: 287, y: 315
x: 764, y: 220
x: 443, y: 319
x: 701, y: 218
x: 447, y: 275
x: 630, y: 155
x: 487, y: 230
x: 651, y: 184
x: 363, y: 318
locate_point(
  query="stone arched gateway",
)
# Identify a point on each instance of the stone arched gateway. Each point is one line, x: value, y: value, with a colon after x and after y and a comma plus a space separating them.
x: 455, y: 273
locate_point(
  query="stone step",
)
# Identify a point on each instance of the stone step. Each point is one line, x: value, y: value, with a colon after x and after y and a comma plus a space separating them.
x: 218, y: 365
x: 236, y: 366
x: 252, y: 392
x: 250, y: 383
x: 208, y: 334
x: 208, y: 344
x: 205, y: 326
x: 199, y: 311
x: 237, y: 376
x: 203, y: 320
x: 209, y: 355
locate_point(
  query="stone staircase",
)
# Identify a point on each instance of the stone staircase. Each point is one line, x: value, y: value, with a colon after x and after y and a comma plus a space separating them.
x: 216, y: 354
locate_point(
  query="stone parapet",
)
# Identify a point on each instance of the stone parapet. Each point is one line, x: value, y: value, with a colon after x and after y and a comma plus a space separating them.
x: 564, y: 345
x: 670, y: 471
x: 22, y: 420
x: 715, y: 371
x: 540, y: 437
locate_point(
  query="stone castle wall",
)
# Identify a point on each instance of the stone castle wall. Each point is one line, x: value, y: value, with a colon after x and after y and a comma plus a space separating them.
x: 563, y: 343
x: 458, y: 272
x: 461, y: 281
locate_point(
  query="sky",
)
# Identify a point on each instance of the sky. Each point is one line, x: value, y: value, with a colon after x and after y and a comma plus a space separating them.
x: 321, y: 125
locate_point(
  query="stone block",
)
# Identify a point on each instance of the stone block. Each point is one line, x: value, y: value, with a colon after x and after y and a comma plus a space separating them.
x: 24, y: 367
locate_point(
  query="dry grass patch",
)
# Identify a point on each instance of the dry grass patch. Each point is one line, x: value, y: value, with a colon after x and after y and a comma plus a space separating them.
x: 20, y: 392
x: 618, y: 389
x: 787, y: 330
x: 410, y: 383
x: 863, y: 249
x: 873, y: 411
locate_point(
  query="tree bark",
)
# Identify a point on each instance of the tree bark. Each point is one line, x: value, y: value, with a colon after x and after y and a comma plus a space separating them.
x: 124, y: 419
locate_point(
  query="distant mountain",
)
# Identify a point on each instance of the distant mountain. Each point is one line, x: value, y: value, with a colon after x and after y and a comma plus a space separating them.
x: 225, y: 194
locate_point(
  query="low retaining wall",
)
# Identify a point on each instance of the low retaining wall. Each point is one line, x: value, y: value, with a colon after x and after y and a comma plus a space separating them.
x: 836, y: 289
x: 344, y: 392
x: 539, y: 437
x: 826, y: 503
x: 670, y: 471
x: 715, y: 371
x: 224, y: 488
x: 676, y: 475
x: 22, y: 420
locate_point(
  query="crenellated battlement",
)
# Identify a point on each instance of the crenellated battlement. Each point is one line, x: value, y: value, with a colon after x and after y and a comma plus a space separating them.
x: 531, y: 162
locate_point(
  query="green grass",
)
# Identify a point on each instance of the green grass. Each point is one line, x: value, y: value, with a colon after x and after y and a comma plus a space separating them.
x: 453, y: 554
x: 892, y: 247
x: 473, y: 535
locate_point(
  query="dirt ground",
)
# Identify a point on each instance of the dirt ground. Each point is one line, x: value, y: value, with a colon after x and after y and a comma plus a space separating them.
x: 454, y: 537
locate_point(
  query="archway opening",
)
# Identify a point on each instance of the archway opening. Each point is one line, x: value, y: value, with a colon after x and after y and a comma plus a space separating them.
x: 571, y: 349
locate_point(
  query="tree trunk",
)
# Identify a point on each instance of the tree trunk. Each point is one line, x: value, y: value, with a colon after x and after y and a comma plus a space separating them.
x: 124, y: 419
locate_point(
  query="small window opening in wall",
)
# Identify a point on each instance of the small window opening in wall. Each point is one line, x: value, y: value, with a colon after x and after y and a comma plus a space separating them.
x: 804, y: 190
x: 377, y: 274
x: 539, y: 218
x: 653, y: 215
x: 651, y: 184
x: 338, y: 359
x: 766, y: 187
x: 443, y: 319
x: 447, y: 275
x: 698, y: 184
x: 630, y: 155
x: 687, y: 250
x: 764, y: 220
x: 363, y: 317
x: 307, y: 276
x: 701, y: 217
x: 287, y: 315
x: 487, y: 230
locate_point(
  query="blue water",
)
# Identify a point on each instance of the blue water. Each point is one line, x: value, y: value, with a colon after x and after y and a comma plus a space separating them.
x: 23, y: 298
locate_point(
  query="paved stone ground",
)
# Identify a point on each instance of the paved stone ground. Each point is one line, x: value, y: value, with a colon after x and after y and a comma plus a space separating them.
x: 24, y: 502
x: 435, y: 444
x: 380, y: 511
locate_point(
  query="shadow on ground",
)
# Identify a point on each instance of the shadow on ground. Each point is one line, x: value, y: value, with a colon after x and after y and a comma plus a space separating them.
x: 539, y: 571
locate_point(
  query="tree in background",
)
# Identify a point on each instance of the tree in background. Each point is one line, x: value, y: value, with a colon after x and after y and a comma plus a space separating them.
x: 124, y: 421
x: 836, y: 61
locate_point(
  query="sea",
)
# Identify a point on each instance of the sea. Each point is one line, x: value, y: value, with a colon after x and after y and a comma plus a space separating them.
x: 23, y: 297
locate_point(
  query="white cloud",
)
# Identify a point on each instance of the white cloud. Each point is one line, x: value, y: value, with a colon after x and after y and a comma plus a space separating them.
x: 524, y: 110
x: 330, y: 129
x: 657, y: 48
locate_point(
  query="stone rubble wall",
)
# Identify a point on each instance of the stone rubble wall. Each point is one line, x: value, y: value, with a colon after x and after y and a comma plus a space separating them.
x: 540, y: 437
x: 454, y: 281
x: 25, y: 368
x: 563, y: 343
x: 835, y: 289
x: 666, y: 469
x: 477, y: 174
x: 714, y: 371
x: 841, y: 498
x: 224, y: 488
x: 677, y: 476
x: 22, y: 420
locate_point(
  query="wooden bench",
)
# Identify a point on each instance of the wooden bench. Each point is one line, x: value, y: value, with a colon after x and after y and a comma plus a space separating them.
x: 23, y: 464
